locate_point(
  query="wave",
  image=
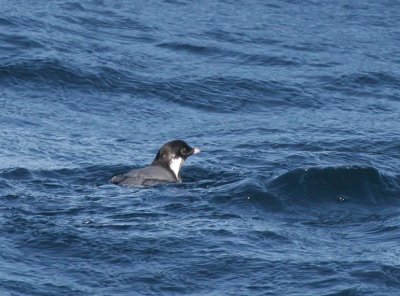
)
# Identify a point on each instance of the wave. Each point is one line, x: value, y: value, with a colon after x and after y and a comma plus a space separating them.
x: 14, y: 42
x: 367, y: 79
x: 354, y: 184
x: 375, y: 84
x: 230, y: 56
x: 215, y: 94
x: 55, y: 72
x: 358, y: 185
x: 235, y: 38
x: 212, y: 94
x: 90, y: 175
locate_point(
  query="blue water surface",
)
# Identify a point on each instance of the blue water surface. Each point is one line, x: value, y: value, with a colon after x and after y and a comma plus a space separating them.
x: 295, y: 105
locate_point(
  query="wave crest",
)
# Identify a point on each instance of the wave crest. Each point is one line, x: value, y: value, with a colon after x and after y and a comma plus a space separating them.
x: 358, y: 184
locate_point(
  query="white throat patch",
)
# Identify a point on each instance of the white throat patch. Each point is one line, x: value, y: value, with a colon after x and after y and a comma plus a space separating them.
x: 175, y: 165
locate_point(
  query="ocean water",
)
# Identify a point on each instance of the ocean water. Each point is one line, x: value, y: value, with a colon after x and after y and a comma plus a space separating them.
x: 295, y: 105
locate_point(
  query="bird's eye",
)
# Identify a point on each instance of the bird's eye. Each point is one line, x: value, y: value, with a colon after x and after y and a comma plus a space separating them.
x: 183, y: 151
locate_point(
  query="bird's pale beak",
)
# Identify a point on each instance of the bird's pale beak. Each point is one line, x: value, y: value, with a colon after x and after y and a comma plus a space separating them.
x: 196, y: 150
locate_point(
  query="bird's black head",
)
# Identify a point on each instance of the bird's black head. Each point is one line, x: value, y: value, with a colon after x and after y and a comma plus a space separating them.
x: 174, y: 150
x: 173, y: 155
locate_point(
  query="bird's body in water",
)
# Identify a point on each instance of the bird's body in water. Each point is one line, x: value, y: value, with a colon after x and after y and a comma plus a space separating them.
x: 164, y: 168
